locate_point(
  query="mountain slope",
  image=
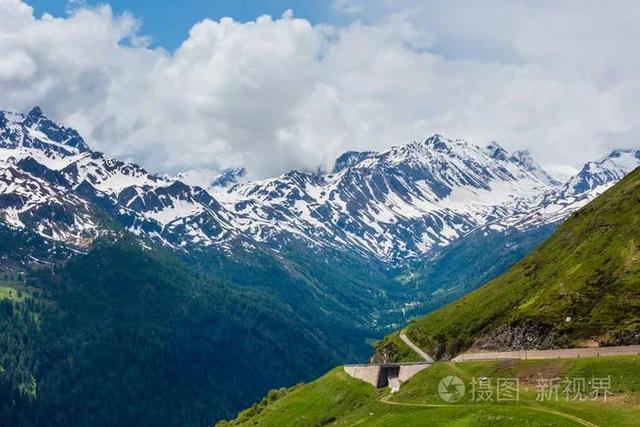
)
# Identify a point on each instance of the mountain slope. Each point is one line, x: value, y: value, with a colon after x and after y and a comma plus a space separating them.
x: 337, y: 399
x: 558, y: 203
x: 404, y: 221
x: 417, y: 212
x: 468, y: 263
x: 117, y: 334
x: 397, y: 206
x: 394, y: 205
x: 582, y: 285
x: 492, y: 249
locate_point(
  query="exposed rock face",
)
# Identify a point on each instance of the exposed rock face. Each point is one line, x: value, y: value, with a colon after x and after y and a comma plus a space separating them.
x: 527, y: 336
x: 627, y: 337
x: 397, y: 206
x: 385, y: 353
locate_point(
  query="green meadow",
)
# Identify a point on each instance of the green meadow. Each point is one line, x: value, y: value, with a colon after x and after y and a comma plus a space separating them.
x: 337, y: 399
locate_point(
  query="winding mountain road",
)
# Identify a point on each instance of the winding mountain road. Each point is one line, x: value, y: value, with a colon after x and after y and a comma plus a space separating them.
x: 569, y: 353
x: 566, y: 353
x: 415, y: 348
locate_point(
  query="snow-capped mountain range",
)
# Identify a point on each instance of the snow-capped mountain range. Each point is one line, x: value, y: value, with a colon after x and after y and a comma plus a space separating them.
x: 559, y: 202
x: 394, y: 205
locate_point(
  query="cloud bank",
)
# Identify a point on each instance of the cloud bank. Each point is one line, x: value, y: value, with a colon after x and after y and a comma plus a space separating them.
x: 558, y: 78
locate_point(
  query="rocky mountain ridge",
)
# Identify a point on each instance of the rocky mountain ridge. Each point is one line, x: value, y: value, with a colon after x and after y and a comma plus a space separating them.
x: 396, y: 205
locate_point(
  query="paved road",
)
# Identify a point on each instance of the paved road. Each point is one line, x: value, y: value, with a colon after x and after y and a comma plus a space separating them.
x: 415, y: 348
x: 569, y: 353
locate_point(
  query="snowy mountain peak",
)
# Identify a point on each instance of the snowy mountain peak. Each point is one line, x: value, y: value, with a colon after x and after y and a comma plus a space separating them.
x: 524, y: 158
x: 605, y: 170
x: 351, y: 158
x: 33, y: 116
x: 395, y: 205
x: 626, y: 154
x: 399, y: 203
x: 559, y: 202
x: 438, y: 141
x: 229, y: 177
x: 434, y: 146
x: 495, y: 151
x: 35, y: 131
x: 37, y: 121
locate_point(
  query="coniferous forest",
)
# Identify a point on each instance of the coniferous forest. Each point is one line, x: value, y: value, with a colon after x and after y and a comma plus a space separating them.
x: 127, y: 334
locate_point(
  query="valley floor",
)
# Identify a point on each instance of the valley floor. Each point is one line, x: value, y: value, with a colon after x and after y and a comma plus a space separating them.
x: 558, y: 392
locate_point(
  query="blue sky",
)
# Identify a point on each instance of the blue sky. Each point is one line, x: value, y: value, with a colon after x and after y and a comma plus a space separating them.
x: 168, y: 22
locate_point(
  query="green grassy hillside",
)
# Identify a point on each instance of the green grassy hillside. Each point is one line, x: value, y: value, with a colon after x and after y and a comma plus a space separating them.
x: 581, y: 286
x: 337, y: 399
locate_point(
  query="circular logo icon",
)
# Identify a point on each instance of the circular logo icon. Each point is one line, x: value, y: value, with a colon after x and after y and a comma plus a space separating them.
x: 451, y: 389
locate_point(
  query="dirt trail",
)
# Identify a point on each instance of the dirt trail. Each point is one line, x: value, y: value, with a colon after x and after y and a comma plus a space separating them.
x: 581, y: 421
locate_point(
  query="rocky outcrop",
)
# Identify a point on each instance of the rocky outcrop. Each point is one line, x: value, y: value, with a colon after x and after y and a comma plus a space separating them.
x: 625, y: 337
x: 525, y: 336
x: 385, y: 352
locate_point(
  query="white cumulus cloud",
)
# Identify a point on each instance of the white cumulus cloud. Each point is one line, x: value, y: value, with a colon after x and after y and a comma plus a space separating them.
x: 557, y: 78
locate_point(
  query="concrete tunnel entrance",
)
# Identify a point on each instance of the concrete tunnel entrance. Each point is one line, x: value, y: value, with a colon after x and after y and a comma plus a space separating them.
x: 387, y: 373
